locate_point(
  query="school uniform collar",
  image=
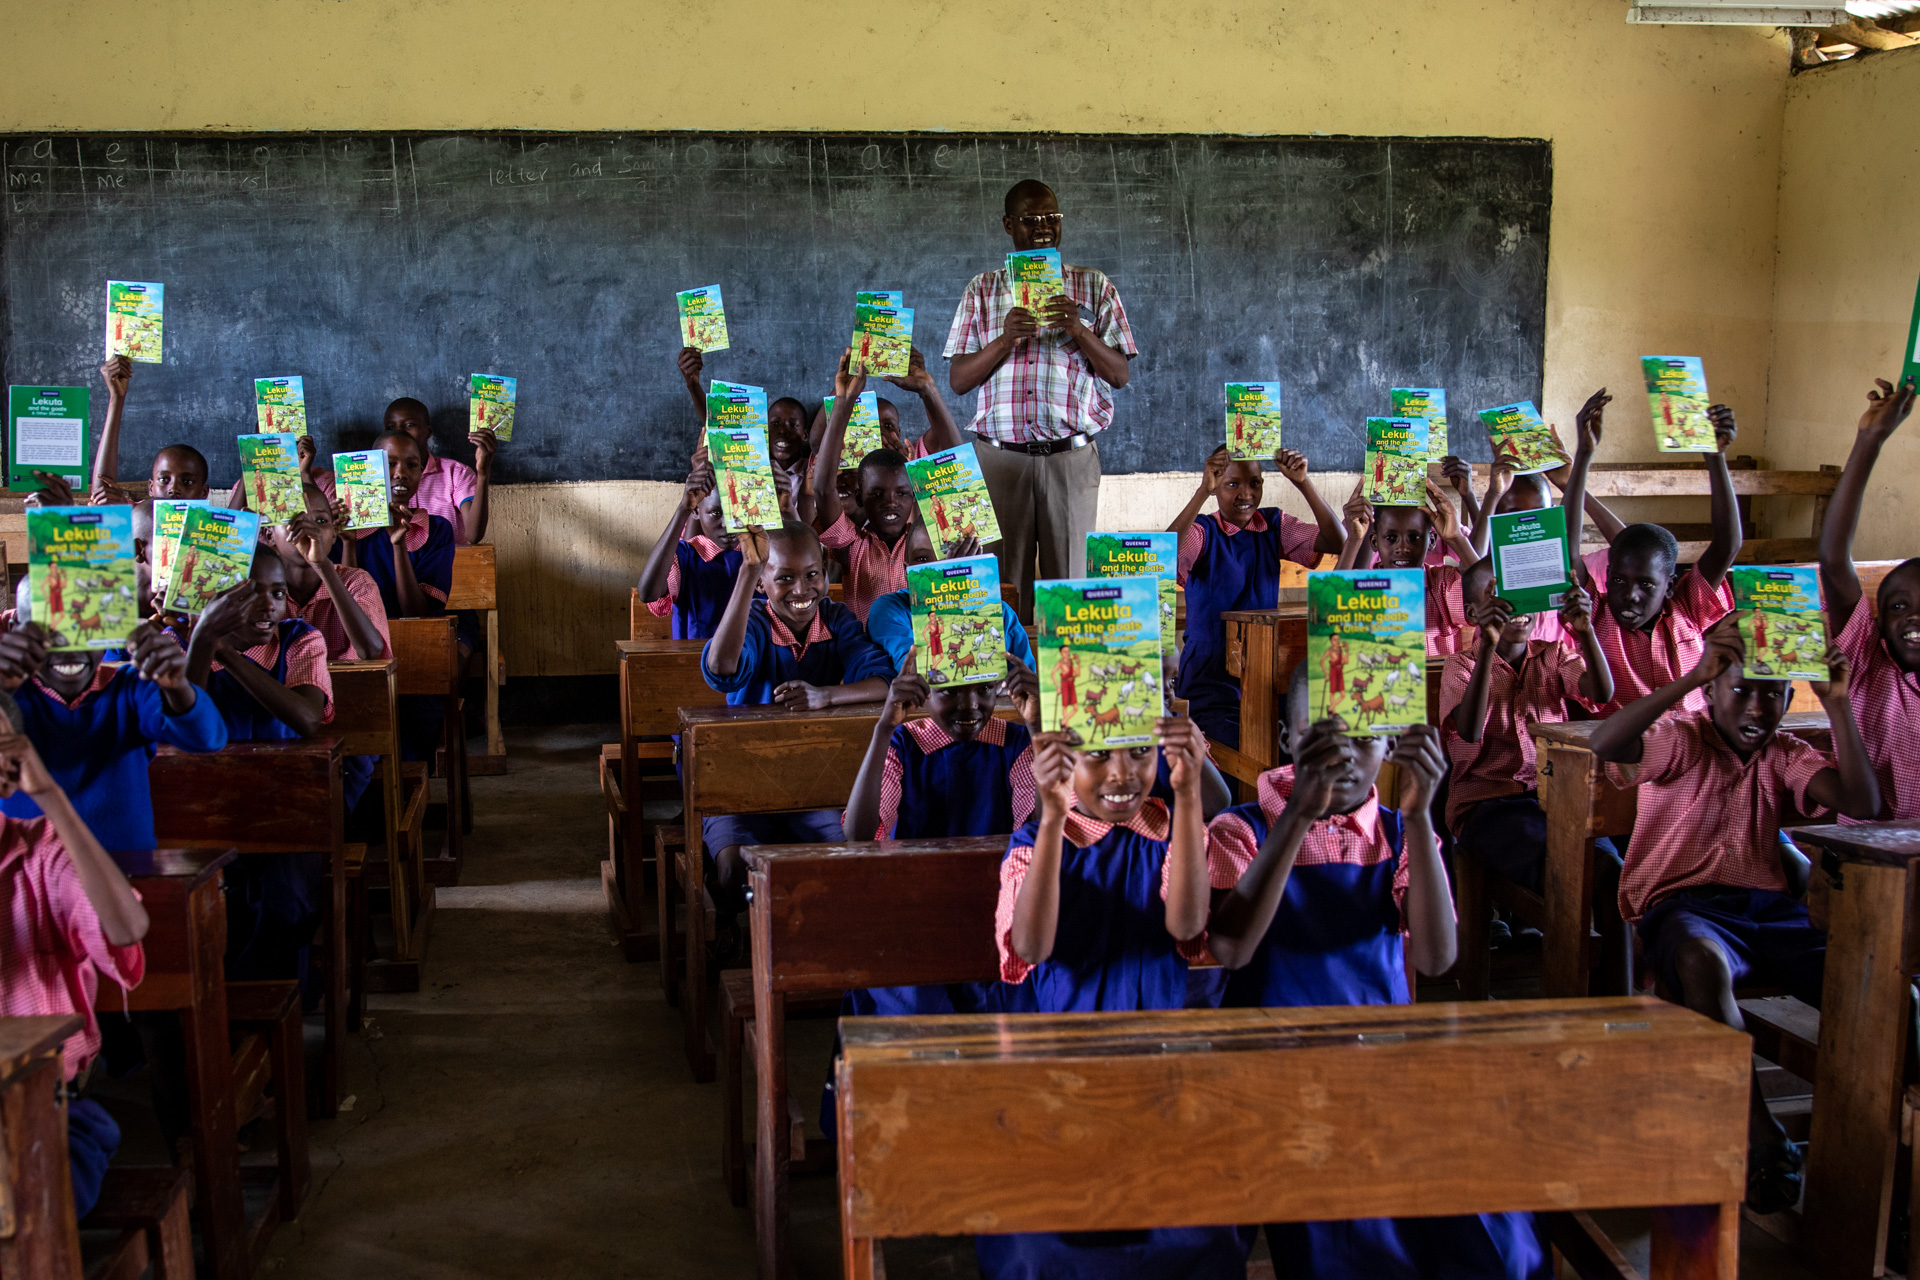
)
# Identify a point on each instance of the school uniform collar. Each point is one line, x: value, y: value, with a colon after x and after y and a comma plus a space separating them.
x: 1276, y: 787
x: 783, y: 634
x: 703, y: 546
x: 931, y: 737
x: 419, y: 529
x: 1256, y: 525
x: 102, y: 674
x: 1153, y: 821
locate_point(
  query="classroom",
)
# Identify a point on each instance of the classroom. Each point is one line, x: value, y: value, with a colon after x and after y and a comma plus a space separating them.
x: 995, y: 640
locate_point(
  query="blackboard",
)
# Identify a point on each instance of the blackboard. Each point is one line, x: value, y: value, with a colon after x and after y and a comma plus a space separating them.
x: 384, y: 266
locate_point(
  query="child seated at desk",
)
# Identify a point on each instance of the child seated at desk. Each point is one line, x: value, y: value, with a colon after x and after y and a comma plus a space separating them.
x: 70, y: 918
x: 447, y: 488
x: 179, y: 470
x: 1321, y: 893
x: 264, y: 668
x: 413, y: 584
x: 1103, y: 899
x: 342, y: 603
x: 876, y: 552
x: 691, y: 578
x: 1229, y: 560
x: 1704, y: 881
x: 1404, y: 538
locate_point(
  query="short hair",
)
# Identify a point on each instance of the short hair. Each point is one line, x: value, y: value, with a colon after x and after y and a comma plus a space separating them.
x: 1905, y: 566
x: 788, y: 400
x: 793, y: 534
x: 1646, y: 540
x: 882, y: 458
x: 10, y: 712
x: 1537, y: 481
x: 1024, y: 190
x: 380, y: 441
x: 263, y: 554
x: 408, y: 402
x: 190, y: 452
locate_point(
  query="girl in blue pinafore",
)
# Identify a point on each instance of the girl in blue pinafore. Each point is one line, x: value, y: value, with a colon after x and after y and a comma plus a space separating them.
x: 1339, y: 876
x: 1131, y: 883
x: 690, y: 571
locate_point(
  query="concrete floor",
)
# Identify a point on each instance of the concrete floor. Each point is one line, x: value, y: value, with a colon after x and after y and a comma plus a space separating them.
x: 529, y: 1112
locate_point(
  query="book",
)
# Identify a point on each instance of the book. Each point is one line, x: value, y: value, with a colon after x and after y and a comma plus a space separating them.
x: 490, y: 400
x: 216, y: 552
x: 959, y: 632
x: 47, y: 431
x: 1396, y: 466
x: 1367, y: 648
x: 735, y: 404
x: 882, y: 340
x: 1781, y: 623
x: 134, y: 314
x: 953, y: 498
x: 1519, y: 432
x: 1910, y: 367
x: 1035, y: 277
x: 362, y: 482
x: 1429, y: 403
x: 270, y: 476
x: 169, y: 514
x: 703, y: 319
x: 280, y: 404
x: 743, y: 472
x: 1530, y: 558
x: 80, y: 575
x: 1253, y: 421
x: 1097, y: 641
x: 880, y: 298
x: 863, y: 429
x: 1141, y: 555
x: 1677, y: 392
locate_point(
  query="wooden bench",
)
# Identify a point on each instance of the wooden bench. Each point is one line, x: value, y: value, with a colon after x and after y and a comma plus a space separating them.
x: 475, y: 588
x: 963, y: 1125
x: 826, y: 918
x: 139, y: 1227
x: 426, y: 654
x: 41, y: 1236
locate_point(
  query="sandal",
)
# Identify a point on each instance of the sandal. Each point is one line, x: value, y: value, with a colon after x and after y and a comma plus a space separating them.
x: 1773, y: 1176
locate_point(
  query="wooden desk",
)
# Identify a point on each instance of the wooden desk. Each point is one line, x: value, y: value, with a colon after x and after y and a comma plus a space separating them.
x: 830, y: 917
x: 1872, y: 949
x: 1263, y: 647
x: 364, y: 704
x: 961, y: 1125
x: 42, y: 1238
x: 475, y: 587
x: 269, y: 798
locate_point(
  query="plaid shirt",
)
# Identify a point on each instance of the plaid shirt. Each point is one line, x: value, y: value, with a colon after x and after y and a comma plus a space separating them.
x: 931, y: 737
x: 873, y: 568
x: 1353, y: 839
x: 1045, y: 390
x: 1502, y: 762
x: 323, y: 615
x: 704, y: 547
x: 1886, y: 705
x: 1297, y: 537
x: 446, y: 486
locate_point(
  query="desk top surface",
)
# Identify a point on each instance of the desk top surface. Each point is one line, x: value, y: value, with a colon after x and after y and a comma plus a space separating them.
x: 760, y: 854
x: 1893, y: 844
x: 1289, y: 611
x: 770, y: 713
x: 1579, y: 733
x: 190, y: 865
x: 23, y: 1039
x: 304, y: 748
x: 657, y: 645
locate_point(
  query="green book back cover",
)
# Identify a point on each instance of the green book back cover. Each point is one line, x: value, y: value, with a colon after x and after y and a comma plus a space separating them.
x: 1530, y: 558
x: 1677, y: 392
x: 1253, y: 421
x: 1396, y: 466
x: 959, y: 632
x: 882, y: 340
x: 1035, y: 277
x: 743, y: 470
x: 134, y: 319
x: 216, y: 552
x: 1429, y: 403
x: 362, y: 482
x: 1518, y: 432
x: 863, y: 429
x: 1910, y: 367
x: 1367, y: 648
x: 490, y: 400
x: 1781, y: 624
x: 1141, y: 555
x: 953, y: 498
x: 1097, y: 639
x: 280, y: 404
x: 703, y: 319
x: 80, y: 575
x: 46, y: 431
x: 270, y: 472
x: 169, y: 514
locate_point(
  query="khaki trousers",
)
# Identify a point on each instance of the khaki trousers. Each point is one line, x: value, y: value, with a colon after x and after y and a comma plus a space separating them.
x: 1046, y: 507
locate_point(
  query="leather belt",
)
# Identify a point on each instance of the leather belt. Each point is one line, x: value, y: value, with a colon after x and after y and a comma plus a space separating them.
x: 1038, y: 448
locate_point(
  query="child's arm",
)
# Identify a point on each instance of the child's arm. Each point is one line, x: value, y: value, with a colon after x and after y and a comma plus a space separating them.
x: 1293, y: 465
x: 1499, y: 480
x: 1210, y: 473
x: 1587, y: 425
x: 1456, y: 472
x: 1725, y: 547
x: 233, y: 608
x: 349, y: 539
x: 118, y: 372
x: 942, y: 431
x: 1431, y: 936
x: 301, y: 707
x: 1188, y: 893
x: 474, y: 511
x: 907, y: 691
x: 1491, y: 616
x: 158, y: 657
x: 362, y: 634
x: 1850, y: 787
x: 826, y: 461
x: 1887, y: 408
x: 1617, y: 740
x: 654, y: 576
x: 691, y: 363
x: 406, y: 586
x: 1576, y: 619
x: 798, y: 693
x: 1446, y: 519
x: 123, y: 921
x: 1357, y: 518
x: 1036, y: 912
x: 723, y: 650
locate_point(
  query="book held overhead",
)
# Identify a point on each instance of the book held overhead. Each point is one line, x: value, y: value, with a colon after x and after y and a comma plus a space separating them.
x: 703, y: 319
x: 1098, y: 644
x: 46, y: 431
x: 1253, y: 421
x: 958, y: 630
x: 1367, y: 649
x: 1677, y: 393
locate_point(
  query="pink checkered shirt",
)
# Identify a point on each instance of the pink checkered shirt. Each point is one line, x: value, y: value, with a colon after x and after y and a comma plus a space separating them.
x: 783, y: 634
x: 1502, y: 762
x: 324, y: 616
x: 446, y: 486
x: 873, y: 568
x: 101, y: 675
x: 54, y: 950
x: 419, y: 529
x: 1706, y: 816
x: 1447, y: 628
x: 931, y: 738
x: 1886, y: 705
x: 706, y: 548
x: 1154, y: 821
x: 306, y: 664
x: 1643, y: 661
x: 1046, y: 390
x: 1296, y: 541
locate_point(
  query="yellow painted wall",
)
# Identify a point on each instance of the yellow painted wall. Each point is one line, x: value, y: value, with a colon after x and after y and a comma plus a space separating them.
x: 1849, y: 256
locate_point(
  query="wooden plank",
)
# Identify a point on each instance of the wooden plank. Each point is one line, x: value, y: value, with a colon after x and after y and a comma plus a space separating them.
x: 474, y: 585
x: 1694, y: 482
x: 365, y: 724
x: 426, y: 656
x: 39, y: 1236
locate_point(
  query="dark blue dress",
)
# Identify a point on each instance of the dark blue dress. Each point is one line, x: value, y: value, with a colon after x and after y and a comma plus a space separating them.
x: 1237, y: 572
x: 421, y: 716
x: 705, y: 588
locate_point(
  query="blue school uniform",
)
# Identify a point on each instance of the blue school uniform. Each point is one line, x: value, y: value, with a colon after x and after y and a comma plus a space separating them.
x: 419, y: 716
x: 841, y: 654
x: 98, y: 751
x: 1238, y: 570
x: 1111, y: 951
x: 890, y: 625
x: 703, y: 589
x: 247, y: 720
x: 1336, y: 940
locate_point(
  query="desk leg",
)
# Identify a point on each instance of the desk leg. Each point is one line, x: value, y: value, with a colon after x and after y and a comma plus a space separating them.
x: 1566, y: 793
x: 1856, y: 1093
x: 1695, y: 1242
x: 860, y: 1255
x: 496, y: 676
x: 694, y: 999
x: 773, y: 1144
x: 333, y: 1063
x: 1259, y: 709
x: 42, y: 1238
x: 209, y: 1069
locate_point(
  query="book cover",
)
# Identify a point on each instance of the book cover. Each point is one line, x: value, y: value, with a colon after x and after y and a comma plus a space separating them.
x: 490, y: 400
x: 1677, y: 392
x: 1530, y: 558
x: 1097, y: 640
x: 882, y: 340
x: 735, y: 404
x: 216, y: 552
x: 46, y: 431
x: 743, y: 470
x: 1367, y: 648
x: 362, y: 482
x: 1781, y: 624
x: 270, y: 474
x: 703, y: 319
x: 1035, y: 277
x: 134, y: 313
x: 1141, y: 555
x: 863, y: 429
x: 880, y: 298
x: 1253, y: 421
x: 1518, y: 431
x: 280, y: 405
x: 953, y: 498
x: 80, y: 575
x: 1911, y: 365
x: 958, y: 629
x: 1429, y: 403
x: 1396, y: 466
x: 169, y: 514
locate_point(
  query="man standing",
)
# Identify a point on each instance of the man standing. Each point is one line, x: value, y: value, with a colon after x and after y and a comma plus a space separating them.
x: 1047, y: 392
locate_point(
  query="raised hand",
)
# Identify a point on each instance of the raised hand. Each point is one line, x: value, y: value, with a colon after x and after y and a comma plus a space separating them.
x: 1576, y: 611
x: 1215, y: 469
x: 1185, y: 746
x: 484, y: 443
x: 23, y: 651
x: 1457, y: 472
x: 691, y: 363
x: 1725, y: 429
x: 1440, y: 510
x: 1023, y: 687
x: 1589, y: 422
x: 1422, y: 763
x: 1839, y: 668
x: 1357, y: 515
x: 908, y: 690
x: 1292, y: 464
x: 158, y: 656
x: 753, y: 546
x: 1887, y: 408
x: 916, y: 379
x: 845, y: 381
x: 1053, y: 761
x: 1491, y: 614
x: 1320, y: 762
x: 1724, y: 649
x: 117, y: 372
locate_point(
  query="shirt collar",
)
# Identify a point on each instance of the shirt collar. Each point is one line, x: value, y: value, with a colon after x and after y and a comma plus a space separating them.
x: 1256, y: 525
x: 1276, y: 787
x: 1153, y: 821
x: 782, y: 634
x: 419, y: 528
x: 703, y: 546
x: 101, y: 675
x: 931, y: 737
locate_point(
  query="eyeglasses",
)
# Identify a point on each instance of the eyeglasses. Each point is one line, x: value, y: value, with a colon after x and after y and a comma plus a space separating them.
x: 1038, y: 220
